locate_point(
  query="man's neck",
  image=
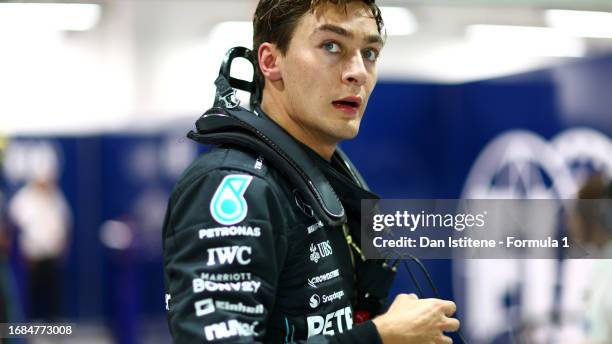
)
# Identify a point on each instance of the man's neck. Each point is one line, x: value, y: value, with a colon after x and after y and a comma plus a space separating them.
x: 279, y: 114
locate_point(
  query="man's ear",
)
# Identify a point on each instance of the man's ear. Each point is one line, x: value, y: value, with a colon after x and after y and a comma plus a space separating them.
x: 269, y: 58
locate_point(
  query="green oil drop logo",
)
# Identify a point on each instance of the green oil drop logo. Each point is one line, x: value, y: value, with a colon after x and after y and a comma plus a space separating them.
x: 228, y: 205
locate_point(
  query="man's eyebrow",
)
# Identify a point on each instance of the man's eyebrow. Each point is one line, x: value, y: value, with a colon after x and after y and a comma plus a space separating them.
x: 335, y: 29
x: 375, y: 39
x: 344, y: 32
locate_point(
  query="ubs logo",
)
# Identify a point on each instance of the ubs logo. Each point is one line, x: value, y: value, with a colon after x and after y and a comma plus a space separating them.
x: 320, y: 250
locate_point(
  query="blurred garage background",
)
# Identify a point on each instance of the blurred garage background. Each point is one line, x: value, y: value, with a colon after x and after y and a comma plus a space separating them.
x: 476, y: 98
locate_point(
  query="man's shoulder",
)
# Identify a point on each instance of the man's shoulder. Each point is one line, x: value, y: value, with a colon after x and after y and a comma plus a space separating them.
x: 229, y: 160
x: 225, y: 173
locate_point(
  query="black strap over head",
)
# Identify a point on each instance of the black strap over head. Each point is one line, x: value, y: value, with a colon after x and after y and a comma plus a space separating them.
x: 225, y: 83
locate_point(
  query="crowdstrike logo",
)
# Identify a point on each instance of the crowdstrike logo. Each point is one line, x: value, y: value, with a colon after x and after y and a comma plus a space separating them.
x: 323, y: 278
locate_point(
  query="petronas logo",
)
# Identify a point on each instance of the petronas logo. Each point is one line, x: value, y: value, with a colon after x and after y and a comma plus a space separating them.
x: 228, y: 205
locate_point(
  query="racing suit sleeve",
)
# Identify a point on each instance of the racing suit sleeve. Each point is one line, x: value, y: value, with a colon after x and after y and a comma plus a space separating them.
x: 221, y: 280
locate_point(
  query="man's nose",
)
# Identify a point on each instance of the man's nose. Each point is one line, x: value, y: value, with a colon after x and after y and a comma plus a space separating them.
x: 355, y: 72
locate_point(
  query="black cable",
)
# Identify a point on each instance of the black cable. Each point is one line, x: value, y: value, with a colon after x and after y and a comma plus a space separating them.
x: 429, y: 280
x: 414, y: 280
x: 426, y: 273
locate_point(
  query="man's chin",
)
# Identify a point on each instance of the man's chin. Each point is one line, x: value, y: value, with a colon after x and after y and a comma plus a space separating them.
x: 346, y: 133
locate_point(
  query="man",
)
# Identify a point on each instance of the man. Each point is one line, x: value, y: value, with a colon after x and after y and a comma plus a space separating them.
x: 245, y: 259
x: 40, y: 211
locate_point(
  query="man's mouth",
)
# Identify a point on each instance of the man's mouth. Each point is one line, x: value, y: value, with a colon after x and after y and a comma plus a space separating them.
x: 348, y: 104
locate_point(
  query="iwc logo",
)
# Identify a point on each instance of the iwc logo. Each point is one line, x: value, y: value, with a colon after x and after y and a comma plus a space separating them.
x: 228, y: 205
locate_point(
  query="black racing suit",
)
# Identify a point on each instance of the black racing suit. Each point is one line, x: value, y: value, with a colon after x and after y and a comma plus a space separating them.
x: 246, y: 261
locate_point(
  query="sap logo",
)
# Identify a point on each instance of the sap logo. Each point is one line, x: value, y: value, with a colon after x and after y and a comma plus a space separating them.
x: 330, y: 324
x: 200, y: 285
x: 320, y: 250
x: 315, y: 300
x: 227, y: 255
x: 230, y: 328
x: 323, y: 278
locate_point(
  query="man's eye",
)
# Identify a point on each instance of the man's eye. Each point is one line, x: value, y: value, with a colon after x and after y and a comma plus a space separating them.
x: 370, y: 54
x: 332, y: 47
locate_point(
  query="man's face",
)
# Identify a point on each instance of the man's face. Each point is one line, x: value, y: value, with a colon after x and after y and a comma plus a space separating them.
x: 329, y: 71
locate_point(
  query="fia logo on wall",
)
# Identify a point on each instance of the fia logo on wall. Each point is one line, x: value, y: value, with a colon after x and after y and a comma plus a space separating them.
x: 520, y: 164
x: 228, y: 205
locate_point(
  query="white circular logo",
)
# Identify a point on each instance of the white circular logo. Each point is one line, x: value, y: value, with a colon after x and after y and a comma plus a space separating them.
x: 315, y: 300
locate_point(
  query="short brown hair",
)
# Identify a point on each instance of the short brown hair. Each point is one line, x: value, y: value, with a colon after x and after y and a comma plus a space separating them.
x: 595, y: 187
x: 275, y: 21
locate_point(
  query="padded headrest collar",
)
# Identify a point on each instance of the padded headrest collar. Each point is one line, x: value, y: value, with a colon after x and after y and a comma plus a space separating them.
x: 240, y: 127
